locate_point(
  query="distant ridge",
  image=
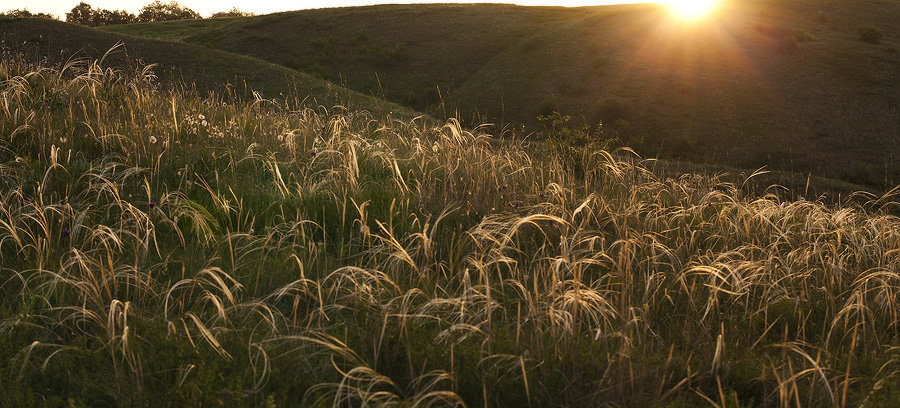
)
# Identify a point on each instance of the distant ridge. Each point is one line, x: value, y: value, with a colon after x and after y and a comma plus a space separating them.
x: 194, y: 65
x: 788, y: 84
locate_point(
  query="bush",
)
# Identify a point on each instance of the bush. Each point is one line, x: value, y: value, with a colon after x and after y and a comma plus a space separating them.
x: 870, y: 34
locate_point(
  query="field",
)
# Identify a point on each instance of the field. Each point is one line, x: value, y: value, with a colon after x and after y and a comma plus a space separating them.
x: 197, y: 68
x: 169, y: 30
x: 788, y: 84
x: 164, y: 246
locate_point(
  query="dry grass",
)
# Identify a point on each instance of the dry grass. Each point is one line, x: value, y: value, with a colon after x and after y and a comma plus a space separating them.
x: 192, y: 250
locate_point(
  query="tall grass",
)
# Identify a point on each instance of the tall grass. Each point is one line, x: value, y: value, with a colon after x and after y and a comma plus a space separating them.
x: 166, y: 248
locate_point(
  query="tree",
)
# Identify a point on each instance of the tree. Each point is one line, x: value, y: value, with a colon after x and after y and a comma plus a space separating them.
x: 82, y: 14
x: 24, y: 13
x: 159, y: 11
x: 107, y: 17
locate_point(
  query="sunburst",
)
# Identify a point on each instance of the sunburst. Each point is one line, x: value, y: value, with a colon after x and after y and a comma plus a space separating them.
x: 691, y: 8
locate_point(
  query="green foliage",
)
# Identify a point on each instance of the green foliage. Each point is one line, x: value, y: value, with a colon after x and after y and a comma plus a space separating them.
x: 171, y: 11
x: 167, y: 247
x: 234, y: 12
x: 692, y: 86
x: 870, y: 34
x: 24, y: 13
x: 559, y: 132
x: 84, y: 14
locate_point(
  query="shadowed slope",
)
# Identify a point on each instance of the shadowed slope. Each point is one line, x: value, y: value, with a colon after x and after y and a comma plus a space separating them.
x: 786, y: 84
x: 207, y: 68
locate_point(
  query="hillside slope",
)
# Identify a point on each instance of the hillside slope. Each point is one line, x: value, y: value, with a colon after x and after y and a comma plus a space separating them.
x: 272, y: 257
x: 206, y: 68
x: 785, y: 84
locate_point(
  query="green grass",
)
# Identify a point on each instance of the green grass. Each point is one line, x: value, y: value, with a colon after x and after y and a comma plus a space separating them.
x: 163, y: 247
x: 208, y: 69
x: 787, y: 84
x: 169, y: 30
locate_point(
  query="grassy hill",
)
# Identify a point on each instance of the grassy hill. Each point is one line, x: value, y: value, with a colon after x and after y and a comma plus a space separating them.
x: 206, y: 69
x: 788, y: 84
x: 169, y: 30
x: 163, y: 248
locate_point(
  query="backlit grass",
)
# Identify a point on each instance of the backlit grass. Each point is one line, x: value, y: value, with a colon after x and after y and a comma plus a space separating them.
x: 161, y: 248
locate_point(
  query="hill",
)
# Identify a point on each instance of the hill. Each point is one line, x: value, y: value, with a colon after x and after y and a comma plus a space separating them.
x: 789, y: 84
x: 177, y: 63
x: 169, y: 30
x: 163, y: 249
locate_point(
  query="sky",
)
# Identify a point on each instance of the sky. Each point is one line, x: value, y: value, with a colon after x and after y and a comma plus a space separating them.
x: 207, y: 7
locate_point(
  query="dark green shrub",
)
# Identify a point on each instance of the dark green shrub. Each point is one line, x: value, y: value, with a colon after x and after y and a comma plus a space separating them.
x: 870, y: 34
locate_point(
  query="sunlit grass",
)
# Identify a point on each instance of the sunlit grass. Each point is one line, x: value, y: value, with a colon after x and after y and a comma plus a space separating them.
x: 163, y: 246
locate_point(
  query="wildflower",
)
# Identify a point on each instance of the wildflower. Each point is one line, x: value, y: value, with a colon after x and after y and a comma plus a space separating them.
x: 152, y: 139
x: 312, y: 153
x: 65, y: 233
x: 151, y: 205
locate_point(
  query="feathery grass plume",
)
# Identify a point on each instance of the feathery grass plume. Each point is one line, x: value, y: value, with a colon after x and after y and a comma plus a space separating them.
x: 258, y: 254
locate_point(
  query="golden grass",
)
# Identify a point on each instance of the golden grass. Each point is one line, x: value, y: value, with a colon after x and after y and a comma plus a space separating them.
x: 330, y: 258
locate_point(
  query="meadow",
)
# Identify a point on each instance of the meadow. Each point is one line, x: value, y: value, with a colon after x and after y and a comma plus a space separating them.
x: 791, y: 84
x: 166, y: 247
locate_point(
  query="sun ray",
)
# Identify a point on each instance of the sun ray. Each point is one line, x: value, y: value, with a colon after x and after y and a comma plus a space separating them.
x: 691, y: 8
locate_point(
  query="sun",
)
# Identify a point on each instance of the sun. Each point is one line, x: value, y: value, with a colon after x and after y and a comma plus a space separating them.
x: 691, y: 8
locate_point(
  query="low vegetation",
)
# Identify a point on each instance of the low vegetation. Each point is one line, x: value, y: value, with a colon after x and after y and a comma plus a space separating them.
x: 167, y: 247
x: 157, y: 11
x: 207, y: 69
x: 783, y: 83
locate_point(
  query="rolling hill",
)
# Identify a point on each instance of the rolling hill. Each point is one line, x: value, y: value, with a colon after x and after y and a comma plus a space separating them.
x: 179, y: 63
x: 787, y: 84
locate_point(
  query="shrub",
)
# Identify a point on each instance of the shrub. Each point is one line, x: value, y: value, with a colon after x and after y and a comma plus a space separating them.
x: 870, y: 34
